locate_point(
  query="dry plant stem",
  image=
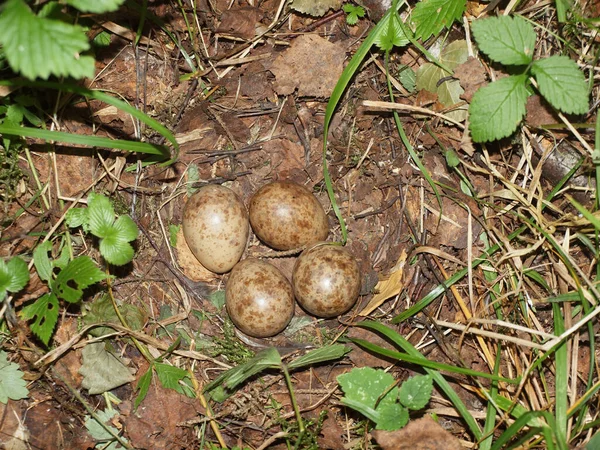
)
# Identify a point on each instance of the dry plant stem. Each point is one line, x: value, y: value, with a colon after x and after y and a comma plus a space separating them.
x: 272, y: 439
x: 53, y: 355
x: 389, y: 106
x: 213, y: 424
x: 479, y: 332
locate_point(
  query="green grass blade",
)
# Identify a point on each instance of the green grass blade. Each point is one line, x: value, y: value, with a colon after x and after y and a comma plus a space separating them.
x: 490, y: 415
x: 561, y: 377
x: 334, y: 100
x: 437, y: 377
x: 106, y: 98
x: 90, y: 141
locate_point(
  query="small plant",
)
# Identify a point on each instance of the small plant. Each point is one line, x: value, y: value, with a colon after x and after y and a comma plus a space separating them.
x: 375, y: 395
x: 79, y: 273
x: 497, y: 109
x: 14, y: 276
x: 353, y: 12
x: 12, y: 384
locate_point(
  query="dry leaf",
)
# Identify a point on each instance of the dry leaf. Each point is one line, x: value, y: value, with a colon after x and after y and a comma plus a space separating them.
x: 386, y: 288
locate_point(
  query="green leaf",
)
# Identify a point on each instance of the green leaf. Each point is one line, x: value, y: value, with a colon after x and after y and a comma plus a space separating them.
x: 497, y: 109
x: 98, y: 431
x: 416, y: 392
x: 77, y: 217
x: 429, y: 77
x: 408, y: 79
x: 507, y: 40
x: 316, y: 8
x: 114, y: 235
x: 353, y: 13
x: 143, y: 385
x: 217, y: 298
x: 45, y: 312
x: 96, y: 6
x: 12, y: 384
x: 102, y: 310
x: 562, y: 83
x: 14, y: 275
x: 392, y: 417
x: 175, y: 378
x: 39, y: 47
x: 266, y: 359
x: 367, y: 390
x: 319, y: 355
x: 101, y: 370
x: 101, y: 215
x: 42, y: 262
x: 173, y: 230
x: 432, y: 16
x: 391, y: 34
x: 79, y: 274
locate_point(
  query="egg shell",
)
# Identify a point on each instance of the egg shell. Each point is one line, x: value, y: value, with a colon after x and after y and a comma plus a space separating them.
x: 216, y: 227
x: 285, y: 215
x: 326, y: 280
x: 259, y: 298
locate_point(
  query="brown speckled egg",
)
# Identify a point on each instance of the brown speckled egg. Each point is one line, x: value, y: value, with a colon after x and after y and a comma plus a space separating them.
x: 259, y: 298
x: 215, y: 226
x: 285, y: 215
x: 326, y: 280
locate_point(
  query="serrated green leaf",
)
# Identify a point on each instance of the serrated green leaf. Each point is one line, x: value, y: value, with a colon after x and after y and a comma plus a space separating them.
x: 392, y: 417
x: 63, y: 259
x: 432, y: 16
x: 507, y: 40
x: 416, y: 392
x: 39, y: 47
x: 366, y: 385
x: 319, y: 355
x: 41, y: 261
x: 81, y: 272
x: 143, y: 385
x: 127, y: 228
x: 562, y: 83
x: 174, y: 378
x: 14, y: 275
x: 497, y: 109
x: 116, y: 250
x: 102, y: 310
x: 96, y: 430
x: 45, y: 312
x: 391, y: 33
x: 101, y: 215
x: 217, y: 298
x: 96, y: 6
x: 12, y: 384
x: 101, y: 370
x: 353, y: 13
x: 77, y: 217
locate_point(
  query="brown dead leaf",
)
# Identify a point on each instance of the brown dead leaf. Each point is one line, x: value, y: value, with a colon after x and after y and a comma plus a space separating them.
x: 286, y: 156
x: 420, y: 434
x: 471, y: 76
x: 388, y: 287
x: 240, y: 22
x: 539, y: 112
x: 311, y: 64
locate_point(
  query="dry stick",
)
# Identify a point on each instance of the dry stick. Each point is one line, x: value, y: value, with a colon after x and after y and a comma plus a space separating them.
x: 213, y: 423
x: 59, y: 351
x: 388, y: 106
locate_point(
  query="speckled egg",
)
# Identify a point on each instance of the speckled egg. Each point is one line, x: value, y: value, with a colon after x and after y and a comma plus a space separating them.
x: 285, y: 215
x: 216, y: 227
x: 326, y: 280
x: 259, y: 298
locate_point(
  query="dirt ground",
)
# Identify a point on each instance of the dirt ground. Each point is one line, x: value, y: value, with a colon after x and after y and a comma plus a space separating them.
x: 254, y: 113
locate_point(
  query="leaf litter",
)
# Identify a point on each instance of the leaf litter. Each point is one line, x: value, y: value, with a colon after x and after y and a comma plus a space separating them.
x: 238, y: 130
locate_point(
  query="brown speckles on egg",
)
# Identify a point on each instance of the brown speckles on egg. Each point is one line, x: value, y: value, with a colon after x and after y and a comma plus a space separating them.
x: 285, y: 215
x: 259, y: 298
x: 216, y: 227
x: 326, y: 280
